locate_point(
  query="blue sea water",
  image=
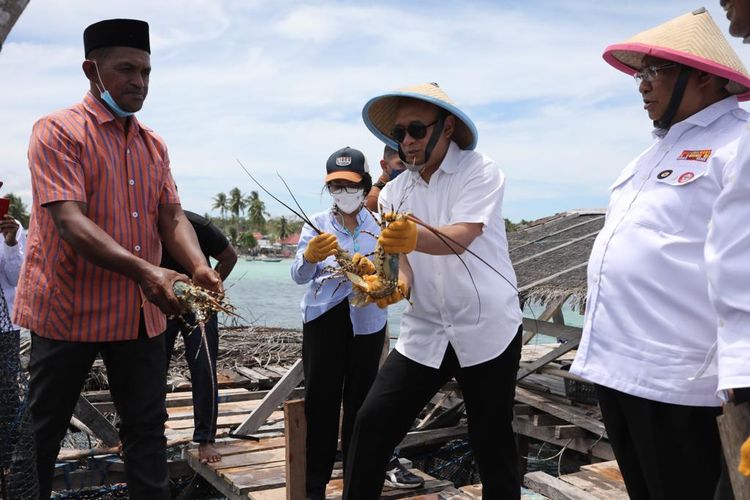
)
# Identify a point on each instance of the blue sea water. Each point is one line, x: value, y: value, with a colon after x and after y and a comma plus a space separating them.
x: 265, y: 295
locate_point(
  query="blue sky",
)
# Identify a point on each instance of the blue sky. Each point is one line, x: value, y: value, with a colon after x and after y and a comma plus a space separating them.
x: 280, y: 85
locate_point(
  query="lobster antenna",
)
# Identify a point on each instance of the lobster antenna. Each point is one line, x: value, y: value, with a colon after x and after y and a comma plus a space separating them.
x: 295, y: 200
x: 441, y: 236
x: 303, y: 217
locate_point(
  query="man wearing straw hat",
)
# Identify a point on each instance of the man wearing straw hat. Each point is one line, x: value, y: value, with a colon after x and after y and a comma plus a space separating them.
x: 460, y: 324
x: 648, y: 327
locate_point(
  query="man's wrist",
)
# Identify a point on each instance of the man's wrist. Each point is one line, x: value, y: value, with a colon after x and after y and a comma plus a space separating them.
x: 381, y: 182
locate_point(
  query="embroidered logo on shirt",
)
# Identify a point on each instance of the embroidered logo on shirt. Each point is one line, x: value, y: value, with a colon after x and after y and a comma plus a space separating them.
x: 700, y: 155
x: 664, y: 174
x: 685, y: 177
x: 344, y: 161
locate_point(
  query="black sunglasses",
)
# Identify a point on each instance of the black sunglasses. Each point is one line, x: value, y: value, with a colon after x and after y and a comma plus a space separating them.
x: 417, y: 130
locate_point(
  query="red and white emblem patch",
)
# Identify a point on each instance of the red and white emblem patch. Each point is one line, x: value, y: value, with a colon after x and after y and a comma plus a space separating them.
x: 685, y: 177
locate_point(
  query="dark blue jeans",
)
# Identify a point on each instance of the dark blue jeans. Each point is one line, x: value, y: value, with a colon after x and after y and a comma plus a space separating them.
x: 202, y: 373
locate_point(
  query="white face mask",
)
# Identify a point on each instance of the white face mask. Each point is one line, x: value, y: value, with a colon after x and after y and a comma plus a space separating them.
x: 349, y: 202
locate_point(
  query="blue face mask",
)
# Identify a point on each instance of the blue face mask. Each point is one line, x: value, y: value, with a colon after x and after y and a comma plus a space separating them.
x: 395, y: 173
x: 109, y: 100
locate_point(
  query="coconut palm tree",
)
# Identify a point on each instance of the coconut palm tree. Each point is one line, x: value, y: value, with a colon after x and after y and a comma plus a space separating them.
x: 236, y: 205
x: 221, y: 203
x: 256, y: 211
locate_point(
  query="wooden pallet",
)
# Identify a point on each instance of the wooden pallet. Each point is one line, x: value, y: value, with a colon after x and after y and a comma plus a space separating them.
x: 601, y: 481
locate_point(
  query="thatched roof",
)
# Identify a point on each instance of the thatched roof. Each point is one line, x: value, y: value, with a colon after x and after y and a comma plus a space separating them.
x: 550, y: 255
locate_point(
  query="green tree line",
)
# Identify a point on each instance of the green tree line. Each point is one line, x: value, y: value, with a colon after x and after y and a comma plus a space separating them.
x: 242, y: 214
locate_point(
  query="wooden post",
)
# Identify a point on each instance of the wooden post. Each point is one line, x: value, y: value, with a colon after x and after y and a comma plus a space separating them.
x: 734, y: 429
x: 273, y: 399
x: 296, y: 439
x: 100, y: 426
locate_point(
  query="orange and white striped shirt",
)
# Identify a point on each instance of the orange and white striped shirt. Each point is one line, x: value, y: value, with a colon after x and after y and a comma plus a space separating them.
x: 82, y: 154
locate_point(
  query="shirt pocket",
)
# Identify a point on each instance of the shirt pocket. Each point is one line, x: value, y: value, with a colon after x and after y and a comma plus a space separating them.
x: 666, y: 200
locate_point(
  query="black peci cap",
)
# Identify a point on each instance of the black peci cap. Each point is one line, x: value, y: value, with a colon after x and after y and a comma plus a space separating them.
x: 117, y: 33
x: 347, y: 163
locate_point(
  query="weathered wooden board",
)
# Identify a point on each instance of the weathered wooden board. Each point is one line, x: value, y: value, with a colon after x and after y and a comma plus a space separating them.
x: 296, y: 442
x: 554, y: 488
x: 597, y: 485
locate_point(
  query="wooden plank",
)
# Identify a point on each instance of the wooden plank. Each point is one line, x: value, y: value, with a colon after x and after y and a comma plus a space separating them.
x: 552, y: 329
x: 587, y: 445
x: 608, y: 469
x: 210, y: 475
x: 273, y: 399
x: 599, y: 486
x: 528, y: 369
x: 241, y: 446
x: 99, y: 425
x: 522, y: 410
x: 424, y: 438
x: 734, y: 428
x: 251, y: 374
x: 225, y: 409
x: 278, y: 370
x: 296, y: 439
x: 431, y: 485
x: 554, y: 488
x: 545, y: 419
x: 566, y: 412
x: 273, y: 456
x: 548, y: 313
x: 568, y: 432
x: 230, y: 378
x: 253, y: 479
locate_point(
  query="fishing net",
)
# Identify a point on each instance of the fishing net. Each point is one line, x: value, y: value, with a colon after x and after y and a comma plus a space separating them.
x: 452, y: 462
x: 17, y: 457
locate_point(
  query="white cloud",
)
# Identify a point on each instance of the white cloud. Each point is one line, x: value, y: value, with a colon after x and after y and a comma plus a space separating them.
x: 280, y: 85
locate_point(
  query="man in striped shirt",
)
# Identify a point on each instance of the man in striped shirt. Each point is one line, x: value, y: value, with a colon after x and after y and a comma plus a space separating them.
x: 91, y: 284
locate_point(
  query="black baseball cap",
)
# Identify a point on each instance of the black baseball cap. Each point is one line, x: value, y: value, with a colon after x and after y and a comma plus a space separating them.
x: 348, y: 164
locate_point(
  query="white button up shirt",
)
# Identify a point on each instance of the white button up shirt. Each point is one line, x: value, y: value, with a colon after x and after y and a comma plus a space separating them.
x: 468, y: 187
x: 648, y: 324
x: 728, y: 269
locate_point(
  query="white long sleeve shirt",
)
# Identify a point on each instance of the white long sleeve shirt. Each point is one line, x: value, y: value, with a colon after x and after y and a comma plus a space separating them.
x: 728, y: 268
x: 325, y: 292
x: 11, y: 259
x: 468, y: 187
x: 648, y: 324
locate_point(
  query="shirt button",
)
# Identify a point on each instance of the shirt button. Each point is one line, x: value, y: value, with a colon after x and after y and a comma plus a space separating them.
x: 135, y: 215
x: 721, y: 323
x: 137, y: 248
x: 131, y: 182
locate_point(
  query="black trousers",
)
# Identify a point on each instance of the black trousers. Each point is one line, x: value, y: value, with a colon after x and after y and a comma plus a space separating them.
x: 202, y: 372
x: 338, y: 365
x: 137, y: 381
x: 403, y: 387
x: 664, y: 451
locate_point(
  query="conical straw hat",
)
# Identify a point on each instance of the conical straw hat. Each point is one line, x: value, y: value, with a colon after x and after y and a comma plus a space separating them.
x: 692, y: 39
x: 379, y: 114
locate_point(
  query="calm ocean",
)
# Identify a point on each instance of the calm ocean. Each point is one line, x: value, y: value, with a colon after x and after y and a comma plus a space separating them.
x: 265, y: 295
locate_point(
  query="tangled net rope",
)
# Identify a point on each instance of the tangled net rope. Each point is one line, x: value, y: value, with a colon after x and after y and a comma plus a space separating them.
x: 17, y: 457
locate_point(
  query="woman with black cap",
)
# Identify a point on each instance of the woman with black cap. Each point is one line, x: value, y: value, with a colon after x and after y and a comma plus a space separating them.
x: 341, y: 344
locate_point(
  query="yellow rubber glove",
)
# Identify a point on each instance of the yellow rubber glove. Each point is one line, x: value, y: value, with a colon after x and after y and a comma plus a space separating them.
x: 375, y: 284
x: 320, y: 247
x: 363, y: 264
x: 399, y: 237
x: 745, y: 458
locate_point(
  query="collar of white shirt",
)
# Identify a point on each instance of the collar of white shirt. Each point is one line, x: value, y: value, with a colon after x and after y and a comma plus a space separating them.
x: 702, y: 118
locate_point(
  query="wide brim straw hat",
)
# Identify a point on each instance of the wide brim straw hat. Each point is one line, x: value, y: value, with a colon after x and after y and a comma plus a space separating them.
x: 379, y: 114
x: 692, y: 39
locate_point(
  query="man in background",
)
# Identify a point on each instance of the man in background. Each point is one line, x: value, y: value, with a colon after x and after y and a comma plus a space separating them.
x: 202, y: 363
